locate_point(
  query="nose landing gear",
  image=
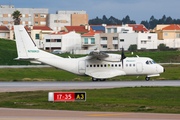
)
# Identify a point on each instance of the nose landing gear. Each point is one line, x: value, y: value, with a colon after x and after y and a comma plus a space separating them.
x: 147, y: 78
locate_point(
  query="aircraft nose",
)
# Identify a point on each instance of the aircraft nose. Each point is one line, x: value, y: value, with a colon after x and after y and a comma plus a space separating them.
x: 160, y: 69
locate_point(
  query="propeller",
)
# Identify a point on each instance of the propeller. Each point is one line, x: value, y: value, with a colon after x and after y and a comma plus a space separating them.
x: 122, y: 56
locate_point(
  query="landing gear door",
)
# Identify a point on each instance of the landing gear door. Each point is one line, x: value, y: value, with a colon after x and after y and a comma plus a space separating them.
x: 82, y: 66
x: 139, y: 67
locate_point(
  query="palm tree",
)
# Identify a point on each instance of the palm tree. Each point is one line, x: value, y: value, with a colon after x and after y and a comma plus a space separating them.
x: 16, y: 16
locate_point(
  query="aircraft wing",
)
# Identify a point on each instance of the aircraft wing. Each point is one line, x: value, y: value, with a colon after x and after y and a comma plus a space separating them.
x: 103, y: 74
x: 97, y: 54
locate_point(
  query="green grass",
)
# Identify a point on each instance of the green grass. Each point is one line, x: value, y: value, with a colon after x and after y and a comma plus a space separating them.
x: 137, y: 99
x: 8, y: 53
x: 53, y: 74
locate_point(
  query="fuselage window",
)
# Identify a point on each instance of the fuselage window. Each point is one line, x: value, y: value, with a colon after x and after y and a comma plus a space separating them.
x: 108, y: 65
x: 130, y: 65
x: 115, y: 65
x: 126, y: 65
x: 119, y: 65
x: 90, y: 65
x: 94, y: 65
x: 112, y: 65
x: 97, y: 65
x: 101, y: 65
x: 105, y: 65
x: 134, y: 65
x: 87, y: 66
x: 147, y: 62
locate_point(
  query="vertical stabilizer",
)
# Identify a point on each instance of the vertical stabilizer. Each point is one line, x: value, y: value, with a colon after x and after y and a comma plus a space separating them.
x: 26, y: 47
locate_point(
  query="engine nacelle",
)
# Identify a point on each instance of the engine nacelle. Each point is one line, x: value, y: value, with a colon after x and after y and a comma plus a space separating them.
x: 113, y: 58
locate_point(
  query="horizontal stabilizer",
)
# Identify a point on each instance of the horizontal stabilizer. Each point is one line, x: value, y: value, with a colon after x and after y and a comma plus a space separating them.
x: 25, y: 58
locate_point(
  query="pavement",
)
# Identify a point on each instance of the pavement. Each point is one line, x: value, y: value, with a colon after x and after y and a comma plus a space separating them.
x: 35, y: 114
x: 58, y: 85
x: 38, y: 114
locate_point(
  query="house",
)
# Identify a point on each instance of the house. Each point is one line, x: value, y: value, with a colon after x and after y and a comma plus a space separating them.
x: 142, y: 40
x: 138, y: 28
x: 117, y: 36
x: 78, y: 29
x: 90, y: 40
x: 97, y: 27
x: 38, y: 32
x: 137, y: 35
x: 5, y: 32
x: 65, y: 41
x: 169, y: 35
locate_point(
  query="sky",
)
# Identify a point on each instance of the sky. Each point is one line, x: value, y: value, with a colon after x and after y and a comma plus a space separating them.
x: 138, y: 10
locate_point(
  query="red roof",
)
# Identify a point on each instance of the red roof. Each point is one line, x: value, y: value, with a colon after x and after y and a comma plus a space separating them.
x: 41, y: 28
x: 91, y: 33
x: 76, y: 28
x: 172, y: 27
x: 138, y: 27
x: 58, y: 33
x: 113, y: 25
x: 4, y: 28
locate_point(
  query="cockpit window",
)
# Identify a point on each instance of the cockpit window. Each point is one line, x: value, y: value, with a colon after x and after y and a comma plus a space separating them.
x: 154, y: 62
x: 150, y: 62
x: 147, y: 62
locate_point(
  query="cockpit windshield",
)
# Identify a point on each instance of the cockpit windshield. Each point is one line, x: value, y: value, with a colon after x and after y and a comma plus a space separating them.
x: 154, y: 62
x: 148, y: 62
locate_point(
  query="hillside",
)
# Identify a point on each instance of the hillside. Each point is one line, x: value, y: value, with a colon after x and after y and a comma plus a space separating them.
x: 8, y: 53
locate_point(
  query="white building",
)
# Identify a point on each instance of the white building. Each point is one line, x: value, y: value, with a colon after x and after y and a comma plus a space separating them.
x: 142, y: 40
x: 65, y: 41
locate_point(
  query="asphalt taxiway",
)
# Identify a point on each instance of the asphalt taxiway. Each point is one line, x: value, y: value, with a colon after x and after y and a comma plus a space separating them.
x: 33, y: 86
x: 35, y: 114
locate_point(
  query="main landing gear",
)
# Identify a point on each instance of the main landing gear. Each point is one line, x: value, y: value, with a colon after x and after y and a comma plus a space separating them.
x: 147, y: 78
x: 95, y: 79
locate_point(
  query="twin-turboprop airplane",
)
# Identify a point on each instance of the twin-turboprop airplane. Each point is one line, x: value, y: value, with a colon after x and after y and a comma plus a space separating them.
x: 97, y: 64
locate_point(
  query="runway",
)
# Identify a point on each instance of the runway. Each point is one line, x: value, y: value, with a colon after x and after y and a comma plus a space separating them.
x: 34, y: 114
x: 33, y: 86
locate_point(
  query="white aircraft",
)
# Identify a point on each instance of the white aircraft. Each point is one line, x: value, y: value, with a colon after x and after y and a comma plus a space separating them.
x: 97, y: 64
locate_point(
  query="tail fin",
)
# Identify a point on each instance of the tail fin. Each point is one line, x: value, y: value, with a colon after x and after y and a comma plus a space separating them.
x: 26, y: 47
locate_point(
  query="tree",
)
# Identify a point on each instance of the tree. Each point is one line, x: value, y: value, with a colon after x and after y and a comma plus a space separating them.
x: 16, y: 16
x: 162, y: 47
x: 152, y: 22
x: 132, y: 48
x: 145, y: 23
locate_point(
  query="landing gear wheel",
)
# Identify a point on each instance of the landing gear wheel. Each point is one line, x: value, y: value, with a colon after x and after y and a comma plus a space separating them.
x: 102, y: 79
x: 94, y: 79
x: 147, y: 78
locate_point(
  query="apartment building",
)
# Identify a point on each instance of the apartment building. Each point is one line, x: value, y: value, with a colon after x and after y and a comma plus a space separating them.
x: 67, y: 18
x: 30, y: 16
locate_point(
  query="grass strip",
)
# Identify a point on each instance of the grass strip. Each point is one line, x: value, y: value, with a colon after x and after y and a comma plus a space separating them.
x: 53, y: 74
x: 136, y: 99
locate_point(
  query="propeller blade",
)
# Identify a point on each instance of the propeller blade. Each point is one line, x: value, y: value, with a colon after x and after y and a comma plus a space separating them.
x: 122, y: 57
